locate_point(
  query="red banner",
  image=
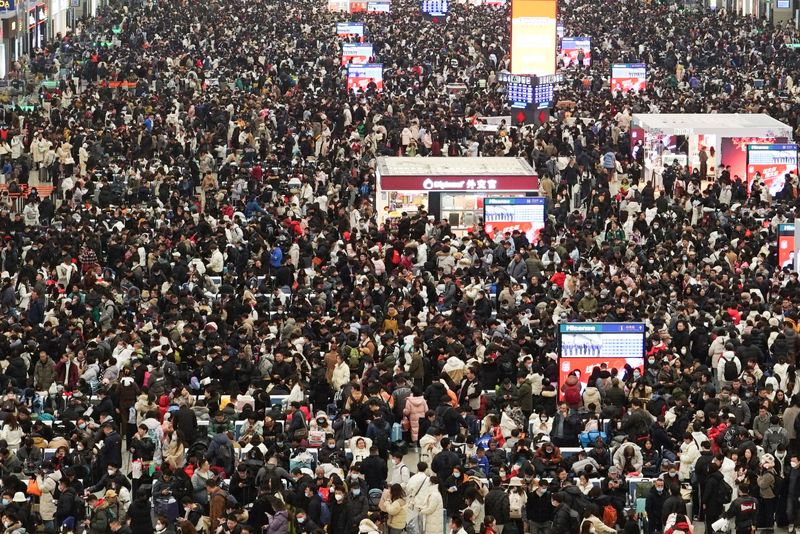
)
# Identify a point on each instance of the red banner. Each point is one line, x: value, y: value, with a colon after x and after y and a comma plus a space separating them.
x: 460, y: 183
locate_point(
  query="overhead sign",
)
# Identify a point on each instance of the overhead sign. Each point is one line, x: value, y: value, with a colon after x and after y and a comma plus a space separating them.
x: 571, y: 47
x: 350, y: 29
x: 435, y: 8
x: 356, y: 53
x: 507, y: 77
x: 526, y: 214
x: 530, y: 94
x: 584, y: 346
x: 359, y: 77
x: 533, y: 37
x: 627, y: 77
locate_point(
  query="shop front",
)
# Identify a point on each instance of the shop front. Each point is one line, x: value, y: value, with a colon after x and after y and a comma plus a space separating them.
x: 702, y: 141
x: 451, y: 189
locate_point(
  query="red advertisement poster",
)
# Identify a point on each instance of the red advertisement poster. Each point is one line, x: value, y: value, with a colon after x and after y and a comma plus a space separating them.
x: 584, y: 366
x: 785, y: 245
x: 359, y: 76
x: 627, y: 77
x: 733, y: 152
x: 357, y: 53
x: 772, y: 163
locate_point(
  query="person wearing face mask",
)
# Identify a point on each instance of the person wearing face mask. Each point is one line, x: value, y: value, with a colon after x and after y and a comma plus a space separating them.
x: 793, y: 493
x: 12, y: 524
x: 329, y: 453
x: 340, y: 521
x: 111, y: 479
x: 539, y: 508
x: 163, y: 526
x: 400, y: 473
x: 303, y: 524
x: 654, y: 505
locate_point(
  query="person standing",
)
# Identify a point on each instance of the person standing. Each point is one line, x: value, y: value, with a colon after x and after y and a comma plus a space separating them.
x: 744, y: 510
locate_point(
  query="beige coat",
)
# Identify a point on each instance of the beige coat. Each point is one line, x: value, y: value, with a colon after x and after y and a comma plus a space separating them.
x: 47, y: 503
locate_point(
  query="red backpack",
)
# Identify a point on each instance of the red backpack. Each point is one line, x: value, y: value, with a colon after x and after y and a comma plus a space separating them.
x: 610, y: 516
x: 572, y: 395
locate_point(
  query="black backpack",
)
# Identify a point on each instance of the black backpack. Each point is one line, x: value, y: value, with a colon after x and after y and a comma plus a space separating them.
x: 225, y: 457
x: 574, y: 521
x: 730, y: 371
x: 382, y: 438
x: 725, y: 492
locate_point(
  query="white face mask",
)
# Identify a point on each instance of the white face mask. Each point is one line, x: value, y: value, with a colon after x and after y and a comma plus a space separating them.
x: 111, y: 472
x: 795, y: 464
x: 339, y: 497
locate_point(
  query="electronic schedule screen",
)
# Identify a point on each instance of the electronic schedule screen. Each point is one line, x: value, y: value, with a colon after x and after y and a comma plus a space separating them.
x: 584, y: 346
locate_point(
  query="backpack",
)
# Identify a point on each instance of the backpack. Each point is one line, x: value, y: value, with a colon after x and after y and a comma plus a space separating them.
x: 381, y: 438
x: 725, y: 491
x: 355, y: 356
x: 609, y: 516
x: 225, y: 457
x: 730, y: 371
x: 797, y: 424
x: 574, y: 521
x: 572, y: 395
x: 324, y: 514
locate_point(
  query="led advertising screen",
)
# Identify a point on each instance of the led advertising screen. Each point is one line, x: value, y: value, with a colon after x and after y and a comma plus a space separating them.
x: 584, y: 346
x: 435, y: 8
x: 773, y: 163
x: 572, y: 46
x: 494, y: 2
x: 526, y: 214
x: 533, y: 37
x: 350, y: 29
x: 627, y: 77
x: 785, y: 245
x: 359, y: 76
x: 379, y: 7
x: 356, y: 53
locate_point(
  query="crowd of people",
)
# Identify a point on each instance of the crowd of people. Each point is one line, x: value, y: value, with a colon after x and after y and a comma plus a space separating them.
x: 206, y: 329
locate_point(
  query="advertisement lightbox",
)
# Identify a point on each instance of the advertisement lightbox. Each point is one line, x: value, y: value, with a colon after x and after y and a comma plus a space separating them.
x: 526, y: 214
x: 533, y: 37
x: 350, y: 29
x: 356, y: 53
x: 786, y: 250
x: 627, y: 77
x: 584, y: 346
x: 572, y: 46
x: 359, y: 76
x: 773, y: 162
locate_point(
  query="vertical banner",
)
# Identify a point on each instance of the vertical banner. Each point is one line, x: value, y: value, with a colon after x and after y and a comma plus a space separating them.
x: 533, y: 37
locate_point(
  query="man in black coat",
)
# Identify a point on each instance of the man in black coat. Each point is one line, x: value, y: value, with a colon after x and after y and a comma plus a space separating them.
x: 111, y: 453
x: 496, y: 503
x: 185, y: 420
x: 713, y: 501
x: 654, y: 505
x: 561, y: 517
x: 374, y: 469
x: 701, y: 474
